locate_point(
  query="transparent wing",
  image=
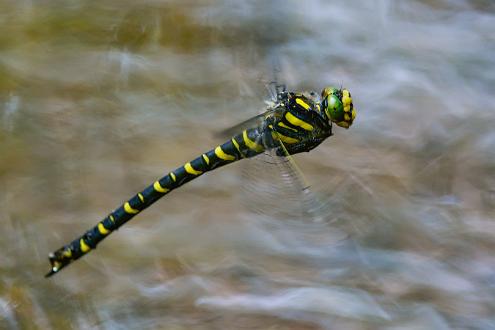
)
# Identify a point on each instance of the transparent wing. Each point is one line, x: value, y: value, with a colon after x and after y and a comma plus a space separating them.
x: 273, y: 186
x: 248, y: 123
x: 274, y: 92
x: 276, y: 191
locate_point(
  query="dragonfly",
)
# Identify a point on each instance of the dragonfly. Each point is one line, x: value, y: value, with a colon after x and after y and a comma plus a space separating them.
x: 292, y: 123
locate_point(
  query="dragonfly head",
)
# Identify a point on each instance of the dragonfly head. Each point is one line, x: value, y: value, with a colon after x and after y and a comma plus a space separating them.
x: 338, y: 107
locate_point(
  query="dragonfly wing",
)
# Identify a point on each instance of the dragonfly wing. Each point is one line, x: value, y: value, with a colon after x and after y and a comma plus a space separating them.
x: 272, y: 188
x: 275, y: 189
x: 273, y: 90
x: 309, y: 202
x: 248, y: 123
x: 276, y: 186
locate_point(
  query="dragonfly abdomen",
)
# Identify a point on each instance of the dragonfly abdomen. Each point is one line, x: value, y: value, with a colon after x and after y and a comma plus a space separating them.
x: 244, y: 145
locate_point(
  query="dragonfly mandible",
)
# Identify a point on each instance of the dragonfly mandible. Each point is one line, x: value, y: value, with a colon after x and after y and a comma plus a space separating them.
x: 293, y: 123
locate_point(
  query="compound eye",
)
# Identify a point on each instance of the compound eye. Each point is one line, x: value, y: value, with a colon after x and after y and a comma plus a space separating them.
x: 334, y: 109
x: 333, y: 101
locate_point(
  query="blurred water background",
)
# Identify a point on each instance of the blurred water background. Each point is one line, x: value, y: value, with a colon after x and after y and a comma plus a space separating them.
x: 100, y: 98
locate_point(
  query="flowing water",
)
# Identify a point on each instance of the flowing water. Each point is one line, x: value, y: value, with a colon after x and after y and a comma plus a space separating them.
x: 100, y: 98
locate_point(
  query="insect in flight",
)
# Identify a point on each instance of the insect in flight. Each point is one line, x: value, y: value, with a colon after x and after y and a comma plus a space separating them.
x: 293, y: 123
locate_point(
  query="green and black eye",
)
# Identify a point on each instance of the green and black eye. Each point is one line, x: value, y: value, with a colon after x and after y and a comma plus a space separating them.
x: 338, y: 106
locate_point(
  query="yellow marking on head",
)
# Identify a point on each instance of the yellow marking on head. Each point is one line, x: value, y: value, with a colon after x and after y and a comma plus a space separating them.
x: 346, y: 117
x: 222, y: 155
x: 346, y: 101
x: 298, y: 122
x: 251, y: 144
x: 172, y: 175
x: 111, y: 218
x: 141, y: 197
x: 189, y: 169
x: 128, y: 208
x: 206, y: 159
x: 67, y: 253
x: 102, y: 229
x: 283, y: 138
x: 158, y: 187
x: 84, y: 247
x: 347, y: 108
x: 353, y: 113
x: 343, y: 124
x: 346, y: 98
x: 281, y: 124
x: 302, y: 103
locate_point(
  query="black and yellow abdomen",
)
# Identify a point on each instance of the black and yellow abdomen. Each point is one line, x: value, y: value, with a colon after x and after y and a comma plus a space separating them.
x: 247, y: 144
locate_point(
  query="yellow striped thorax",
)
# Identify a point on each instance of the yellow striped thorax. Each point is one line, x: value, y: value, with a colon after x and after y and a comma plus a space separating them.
x: 337, y: 104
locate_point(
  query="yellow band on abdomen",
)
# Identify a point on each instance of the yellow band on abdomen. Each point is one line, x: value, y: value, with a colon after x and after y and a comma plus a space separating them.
x: 67, y: 253
x: 236, y: 145
x: 158, y: 187
x: 102, y: 229
x: 84, y: 247
x: 128, y: 208
x: 222, y: 155
x: 251, y: 144
x: 189, y: 169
